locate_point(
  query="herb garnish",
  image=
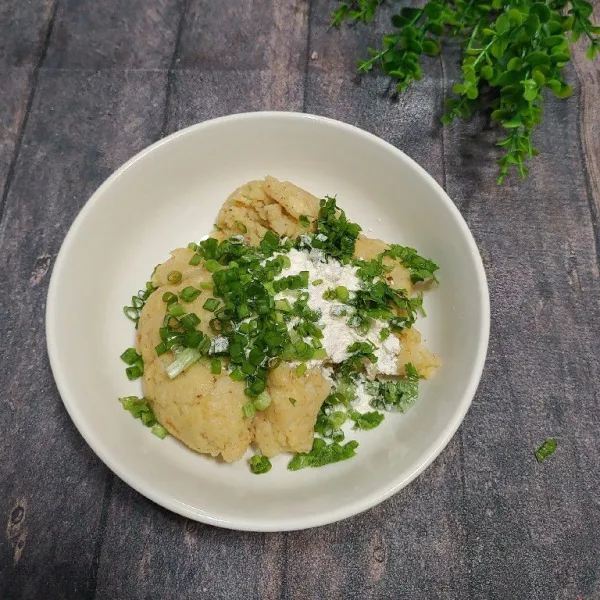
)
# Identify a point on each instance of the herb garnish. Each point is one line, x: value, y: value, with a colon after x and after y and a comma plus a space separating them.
x: 323, y: 454
x: 545, y: 450
x: 140, y: 409
x: 512, y: 51
x: 260, y: 464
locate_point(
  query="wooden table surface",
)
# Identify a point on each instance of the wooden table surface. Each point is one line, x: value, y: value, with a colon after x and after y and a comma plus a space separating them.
x: 87, y: 84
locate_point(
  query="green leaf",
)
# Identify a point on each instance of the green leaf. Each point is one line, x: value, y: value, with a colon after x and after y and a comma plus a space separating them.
x: 530, y: 90
x: 487, y: 72
x: 502, y: 23
x: 514, y: 63
x: 412, y: 14
x: 435, y: 28
x: 532, y: 24
x: 553, y: 40
x: 564, y: 92
x: 592, y: 51
x: 539, y: 78
x: 512, y: 123
x: 431, y: 47
x: 515, y: 16
x: 567, y: 24
x: 433, y: 10
x: 541, y: 11
x: 472, y: 93
x: 537, y: 58
x: 585, y: 9
x: 554, y: 84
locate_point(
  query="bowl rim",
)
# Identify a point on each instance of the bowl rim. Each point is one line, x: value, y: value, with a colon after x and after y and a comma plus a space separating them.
x: 349, y: 509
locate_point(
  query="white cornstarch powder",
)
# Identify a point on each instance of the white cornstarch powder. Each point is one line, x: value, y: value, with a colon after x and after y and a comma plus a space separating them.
x: 218, y: 345
x: 362, y: 403
x: 337, y: 334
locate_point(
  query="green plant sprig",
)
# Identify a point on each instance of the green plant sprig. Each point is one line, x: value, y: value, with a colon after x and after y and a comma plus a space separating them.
x: 512, y: 51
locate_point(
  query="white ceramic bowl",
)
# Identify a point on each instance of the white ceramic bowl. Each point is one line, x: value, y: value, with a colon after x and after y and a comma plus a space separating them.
x: 168, y: 195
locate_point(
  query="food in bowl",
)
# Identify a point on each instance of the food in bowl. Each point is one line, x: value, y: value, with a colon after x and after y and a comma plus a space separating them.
x: 279, y: 331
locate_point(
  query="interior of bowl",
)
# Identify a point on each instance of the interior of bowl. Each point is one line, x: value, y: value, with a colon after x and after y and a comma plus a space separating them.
x: 168, y: 196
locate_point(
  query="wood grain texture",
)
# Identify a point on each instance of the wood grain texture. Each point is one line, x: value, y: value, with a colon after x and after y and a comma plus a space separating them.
x: 82, y: 126
x: 532, y: 527
x: 249, y: 35
x: 13, y: 107
x: 588, y: 73
x: 113, y: 33
x: 198, y: 95
x: 23, y: 29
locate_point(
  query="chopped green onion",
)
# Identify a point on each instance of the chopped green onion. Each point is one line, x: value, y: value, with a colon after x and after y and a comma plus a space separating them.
x: 215, y: 366
x: 283, y: 305
x: 211, y: 304
x: 323, y: 454
x: 303, y: 275
x: 243, y: 311
x: 304, y: 221
x: 169, y: 297
x: 241, y: 227
x: 183, y: 360
x: 317, y: 282
x: 193, y: 338
x: 135, y: 372
x: 301, y: 369
x: 192, y: 246
x: 130, y: 356
x: 175, y: 309
x: 212, y: 266
x: 161, y: 349
x: 271, y: 239
x: 196, y: 259
x: 260, y: 464
x: 545, y: 450
x: 320, y: 354
x: 189, y: 293
x: 342, y: 293
x: 159, y: 431
x: 174, y: 277
x: 384, y: 334
x: 249, y: 409
x: 262, y: 401
x: 207, y: 285
x: 190, y: 321
x: 237, y: 375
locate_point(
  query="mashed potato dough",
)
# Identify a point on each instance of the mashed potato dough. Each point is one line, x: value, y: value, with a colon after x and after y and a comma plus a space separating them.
x: 204, y: 409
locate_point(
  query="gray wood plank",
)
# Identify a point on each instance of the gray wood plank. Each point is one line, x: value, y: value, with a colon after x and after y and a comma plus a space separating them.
x: 166, y: 556
x: 335, y: 50
x: 13, y: 105
x: 82, y: 126
x: 588, y: 73
x: 198, y: 95
x: 115, y: 34
x: 249, y: 35
x: 532, y: 529
x: 411, y: 546
x: 23, y: 30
